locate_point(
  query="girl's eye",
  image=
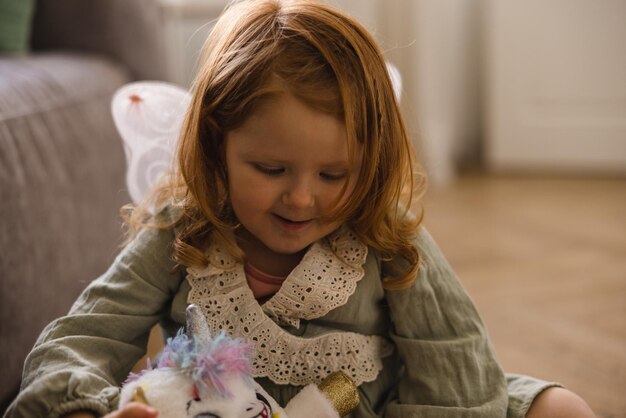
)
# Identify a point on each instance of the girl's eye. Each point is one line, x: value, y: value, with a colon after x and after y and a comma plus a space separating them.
x: 270, y: 171
x: 333, y: 176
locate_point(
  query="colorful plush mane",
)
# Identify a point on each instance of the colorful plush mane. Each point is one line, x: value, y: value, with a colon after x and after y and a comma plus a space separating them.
x: 204, y: 361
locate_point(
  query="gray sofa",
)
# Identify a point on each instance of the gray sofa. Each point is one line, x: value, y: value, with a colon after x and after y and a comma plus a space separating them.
x: 61, y: 161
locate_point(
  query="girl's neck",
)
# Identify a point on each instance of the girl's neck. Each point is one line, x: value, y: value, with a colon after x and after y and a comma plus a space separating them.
x: 265, y: 259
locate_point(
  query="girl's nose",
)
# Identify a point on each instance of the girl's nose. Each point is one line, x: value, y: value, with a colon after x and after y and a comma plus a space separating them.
x: 299, y: 196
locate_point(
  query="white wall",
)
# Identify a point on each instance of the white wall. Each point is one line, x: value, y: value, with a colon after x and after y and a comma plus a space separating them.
x: 556, y: 86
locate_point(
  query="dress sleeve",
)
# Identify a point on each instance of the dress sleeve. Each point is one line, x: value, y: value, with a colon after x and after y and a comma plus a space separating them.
x: 79, y: 360
x: 450, y: 367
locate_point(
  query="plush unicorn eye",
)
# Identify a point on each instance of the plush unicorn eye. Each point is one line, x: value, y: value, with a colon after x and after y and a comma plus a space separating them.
x: 201, y: 414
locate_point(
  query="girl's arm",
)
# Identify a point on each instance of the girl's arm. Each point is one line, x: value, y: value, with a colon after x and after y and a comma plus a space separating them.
x: 132, y: 410
x: 451, y: 369
x: 80, y: 360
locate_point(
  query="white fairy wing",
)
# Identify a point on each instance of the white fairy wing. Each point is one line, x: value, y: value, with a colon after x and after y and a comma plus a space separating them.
x: 148, y: 116
x: 396, y: 80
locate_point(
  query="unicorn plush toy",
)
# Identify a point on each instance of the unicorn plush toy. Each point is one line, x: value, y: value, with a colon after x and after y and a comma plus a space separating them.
x: 201, y: 376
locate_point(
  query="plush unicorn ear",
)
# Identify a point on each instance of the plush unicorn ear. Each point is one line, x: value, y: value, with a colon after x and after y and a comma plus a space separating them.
x: 148, y: 116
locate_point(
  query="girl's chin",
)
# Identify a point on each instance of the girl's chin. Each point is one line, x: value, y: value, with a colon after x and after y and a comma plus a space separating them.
x: 288, y: 250
x: 275, y: 243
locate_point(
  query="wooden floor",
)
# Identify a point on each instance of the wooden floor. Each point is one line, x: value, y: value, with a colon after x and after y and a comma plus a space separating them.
x: 545, y: 261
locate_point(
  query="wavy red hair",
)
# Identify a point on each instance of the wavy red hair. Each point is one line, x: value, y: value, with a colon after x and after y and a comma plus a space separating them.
x: 328, y: 60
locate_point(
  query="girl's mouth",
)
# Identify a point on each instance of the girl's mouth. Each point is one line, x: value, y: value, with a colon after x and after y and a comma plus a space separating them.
x: 290, y: 225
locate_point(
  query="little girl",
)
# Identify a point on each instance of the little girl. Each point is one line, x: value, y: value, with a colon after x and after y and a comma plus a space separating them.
x: 291, y: 222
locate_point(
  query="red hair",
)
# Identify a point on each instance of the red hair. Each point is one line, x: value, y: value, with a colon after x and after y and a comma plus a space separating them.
x: 328, y: 60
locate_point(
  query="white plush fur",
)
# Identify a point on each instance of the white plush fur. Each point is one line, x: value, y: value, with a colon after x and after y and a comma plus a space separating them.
x: 166, y: 391
x: 310, y: 402
x: 169, y: 392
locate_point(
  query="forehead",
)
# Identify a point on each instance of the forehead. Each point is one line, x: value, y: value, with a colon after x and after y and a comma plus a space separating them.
x: 284, y: 126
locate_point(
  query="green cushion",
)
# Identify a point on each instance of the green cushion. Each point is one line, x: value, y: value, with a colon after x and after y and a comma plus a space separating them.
x: 15, y: 25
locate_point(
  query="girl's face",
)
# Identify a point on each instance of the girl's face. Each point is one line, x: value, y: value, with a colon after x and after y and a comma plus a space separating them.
x: 286, y: 167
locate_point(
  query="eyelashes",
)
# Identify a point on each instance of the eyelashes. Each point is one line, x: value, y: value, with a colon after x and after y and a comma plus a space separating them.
x: 277, y: 171
x: 270, y: 171
x: 333, y: 176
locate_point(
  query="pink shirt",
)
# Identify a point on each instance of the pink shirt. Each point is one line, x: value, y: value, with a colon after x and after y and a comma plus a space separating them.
x: 263, y: 285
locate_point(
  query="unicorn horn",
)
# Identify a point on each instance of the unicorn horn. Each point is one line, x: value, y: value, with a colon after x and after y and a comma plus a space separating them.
x: 196, y: 323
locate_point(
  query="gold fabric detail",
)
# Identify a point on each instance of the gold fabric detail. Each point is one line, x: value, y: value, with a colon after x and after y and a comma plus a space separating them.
x: 341, y: 391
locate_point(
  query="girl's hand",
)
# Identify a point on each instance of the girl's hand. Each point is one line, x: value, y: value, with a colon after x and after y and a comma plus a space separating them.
x: 132, y: 410
x: 81, y: 414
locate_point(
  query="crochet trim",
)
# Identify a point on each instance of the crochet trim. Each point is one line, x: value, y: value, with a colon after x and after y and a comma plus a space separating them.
x: 324, y: 280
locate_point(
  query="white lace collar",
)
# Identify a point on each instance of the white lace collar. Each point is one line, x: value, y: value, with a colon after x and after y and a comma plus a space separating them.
x: 324, y: 280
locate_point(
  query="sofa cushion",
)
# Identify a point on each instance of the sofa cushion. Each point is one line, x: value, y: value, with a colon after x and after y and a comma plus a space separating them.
x: 62, y: 170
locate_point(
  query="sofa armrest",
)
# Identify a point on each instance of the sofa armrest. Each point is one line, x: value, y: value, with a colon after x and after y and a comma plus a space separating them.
x: 128, y: 31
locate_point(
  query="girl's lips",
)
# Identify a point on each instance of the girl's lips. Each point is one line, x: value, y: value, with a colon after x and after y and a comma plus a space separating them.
x: 293, y: 226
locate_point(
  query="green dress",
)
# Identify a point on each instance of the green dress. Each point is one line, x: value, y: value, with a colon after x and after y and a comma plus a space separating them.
x: 419, y: 352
